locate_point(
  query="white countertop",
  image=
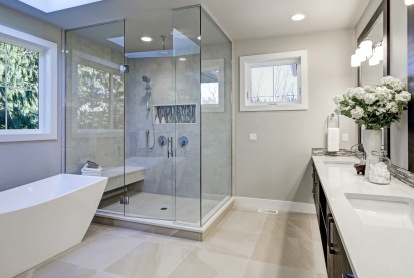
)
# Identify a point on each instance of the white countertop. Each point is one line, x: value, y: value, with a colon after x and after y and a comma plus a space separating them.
x: 373, y: 251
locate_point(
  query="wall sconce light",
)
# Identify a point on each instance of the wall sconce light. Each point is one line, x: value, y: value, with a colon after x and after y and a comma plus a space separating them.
x: 366, y: 51
x: 366, y: 47
x: 409, y: 2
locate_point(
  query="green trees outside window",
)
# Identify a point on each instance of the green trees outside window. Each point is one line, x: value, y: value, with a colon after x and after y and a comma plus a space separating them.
x: 19, y: 87
x: 100, y: 97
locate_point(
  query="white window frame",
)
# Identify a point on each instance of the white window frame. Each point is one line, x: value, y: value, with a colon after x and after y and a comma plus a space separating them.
x: 47, y: 87
x: 248, y: 62
x: 215, y: 64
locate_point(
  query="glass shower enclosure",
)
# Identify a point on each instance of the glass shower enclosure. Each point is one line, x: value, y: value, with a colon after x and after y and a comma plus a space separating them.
x: 156, y: 120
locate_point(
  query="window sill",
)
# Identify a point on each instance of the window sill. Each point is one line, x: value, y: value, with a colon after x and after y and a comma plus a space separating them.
x: 274, y: 107
x: 25, y: 135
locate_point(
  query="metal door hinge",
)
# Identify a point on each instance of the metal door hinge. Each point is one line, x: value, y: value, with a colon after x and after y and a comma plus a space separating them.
x: 124, y: 68
x: 124, y: 200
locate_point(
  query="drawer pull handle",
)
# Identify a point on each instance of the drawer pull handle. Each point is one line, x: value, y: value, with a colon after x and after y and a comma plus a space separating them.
x: 330, y: 243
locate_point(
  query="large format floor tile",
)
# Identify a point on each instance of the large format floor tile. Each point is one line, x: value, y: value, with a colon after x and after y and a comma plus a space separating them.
x: 243, y: 221
x: 149, y: 259
x: 202, y: 264
x: 286, y: 227
x: 244, y: 244
x: 316, y: 235
x: 55, y: 268
x: 266, y: 270
x: 175, y: 241
x: 99, y: 252
x: 229, y: 242
x: 294, y: 215
x: 285, y: 251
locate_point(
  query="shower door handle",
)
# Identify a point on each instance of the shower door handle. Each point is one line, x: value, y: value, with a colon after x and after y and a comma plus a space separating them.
x: 170, y: 152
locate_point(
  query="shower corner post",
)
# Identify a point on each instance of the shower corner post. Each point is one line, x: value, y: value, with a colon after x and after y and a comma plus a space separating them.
x: 63, y: 101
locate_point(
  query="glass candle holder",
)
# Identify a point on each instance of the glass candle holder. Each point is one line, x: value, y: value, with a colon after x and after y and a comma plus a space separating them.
x: 379, y: 168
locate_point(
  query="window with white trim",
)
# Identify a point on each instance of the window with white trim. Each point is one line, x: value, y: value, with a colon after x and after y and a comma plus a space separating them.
x: 275, y: 81
x: 212, y: 85
x: 28, y: 83
x: 99, y: 102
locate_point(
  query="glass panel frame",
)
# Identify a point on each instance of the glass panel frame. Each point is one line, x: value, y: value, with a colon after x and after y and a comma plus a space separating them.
x: 106, y: 147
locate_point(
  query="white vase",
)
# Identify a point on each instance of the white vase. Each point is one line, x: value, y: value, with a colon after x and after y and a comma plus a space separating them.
x: 371, y: 141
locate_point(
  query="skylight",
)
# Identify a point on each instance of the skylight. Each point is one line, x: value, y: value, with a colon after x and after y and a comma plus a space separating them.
x: 117, y: 40
x: 49, y: 6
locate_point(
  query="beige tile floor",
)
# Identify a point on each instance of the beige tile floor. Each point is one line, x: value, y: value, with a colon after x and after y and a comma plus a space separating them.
x: 244, y: 244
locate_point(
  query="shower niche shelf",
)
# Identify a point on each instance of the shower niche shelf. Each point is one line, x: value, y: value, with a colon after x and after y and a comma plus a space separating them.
x: 175, y: 114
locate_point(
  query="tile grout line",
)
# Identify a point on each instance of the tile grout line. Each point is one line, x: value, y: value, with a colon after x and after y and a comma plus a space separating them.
x: 116, y: 259
x: 257, y: 238
x: 191, y: 250
x: 311, y: 240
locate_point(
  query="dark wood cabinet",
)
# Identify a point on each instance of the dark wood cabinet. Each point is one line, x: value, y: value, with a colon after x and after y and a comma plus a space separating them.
x: 337, y: 263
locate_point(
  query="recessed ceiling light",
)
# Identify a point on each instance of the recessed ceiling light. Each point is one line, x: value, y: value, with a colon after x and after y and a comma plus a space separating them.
x: 199, y: 38
x: 49, y: 6
x: 298, y: 17
x: 182, y: 59
x: 146, y: 39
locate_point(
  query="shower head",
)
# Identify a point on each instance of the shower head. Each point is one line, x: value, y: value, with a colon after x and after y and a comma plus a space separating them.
x: 146, y: 79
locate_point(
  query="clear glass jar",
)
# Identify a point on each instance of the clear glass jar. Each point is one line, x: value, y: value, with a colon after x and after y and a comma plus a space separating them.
x: 379, y: 168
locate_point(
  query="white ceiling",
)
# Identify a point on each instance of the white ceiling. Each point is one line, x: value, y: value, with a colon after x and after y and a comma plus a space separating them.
x: 239, y: 19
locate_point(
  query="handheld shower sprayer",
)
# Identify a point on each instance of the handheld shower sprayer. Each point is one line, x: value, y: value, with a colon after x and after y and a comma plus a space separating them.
x: 148, y: 89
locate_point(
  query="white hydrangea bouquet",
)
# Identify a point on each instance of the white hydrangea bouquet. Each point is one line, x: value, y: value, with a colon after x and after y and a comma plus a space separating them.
x: 375, y: 107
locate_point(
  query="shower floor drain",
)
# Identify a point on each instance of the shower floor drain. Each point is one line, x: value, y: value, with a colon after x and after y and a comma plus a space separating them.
x: 272, y: 211
x: 163, y: 208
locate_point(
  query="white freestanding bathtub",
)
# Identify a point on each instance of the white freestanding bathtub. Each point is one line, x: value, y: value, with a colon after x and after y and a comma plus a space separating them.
x: 42, y: 219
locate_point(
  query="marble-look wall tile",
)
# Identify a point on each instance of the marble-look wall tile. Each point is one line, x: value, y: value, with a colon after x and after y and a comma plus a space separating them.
x: 183, y: 169
x: 106, y: 147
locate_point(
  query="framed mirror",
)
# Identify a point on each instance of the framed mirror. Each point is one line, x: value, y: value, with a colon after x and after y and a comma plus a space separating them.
x: 410, y: 74
x: 369, y: 74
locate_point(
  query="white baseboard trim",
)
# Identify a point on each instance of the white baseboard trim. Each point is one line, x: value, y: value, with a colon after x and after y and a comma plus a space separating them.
x: 253, y: 203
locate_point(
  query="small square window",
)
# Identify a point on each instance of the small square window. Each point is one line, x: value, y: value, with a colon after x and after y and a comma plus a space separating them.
x: 212, y: 85
x: 99, y: 102
x: 274, y: 82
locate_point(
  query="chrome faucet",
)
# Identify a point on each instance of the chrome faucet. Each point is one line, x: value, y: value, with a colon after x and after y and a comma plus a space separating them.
x: 358, y: 150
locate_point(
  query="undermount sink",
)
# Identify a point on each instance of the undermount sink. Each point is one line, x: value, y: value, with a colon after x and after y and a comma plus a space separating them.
x: 339, y: 162
x: 386, y: 211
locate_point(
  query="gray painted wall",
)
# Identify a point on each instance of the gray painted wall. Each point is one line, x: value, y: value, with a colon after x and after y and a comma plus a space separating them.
x: 24, y: 162
x: 277, y: 166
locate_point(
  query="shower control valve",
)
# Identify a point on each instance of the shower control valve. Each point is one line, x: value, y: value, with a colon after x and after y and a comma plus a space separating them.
x: 162, y: 140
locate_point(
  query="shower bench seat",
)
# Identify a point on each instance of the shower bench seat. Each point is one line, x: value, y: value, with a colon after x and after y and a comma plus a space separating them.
x: 116, y: 179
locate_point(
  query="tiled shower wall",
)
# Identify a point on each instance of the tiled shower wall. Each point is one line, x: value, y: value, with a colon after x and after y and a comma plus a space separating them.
x: 107, y: 148
x: 216, y: 131
x: 139, y: 120
x: 103, y: 146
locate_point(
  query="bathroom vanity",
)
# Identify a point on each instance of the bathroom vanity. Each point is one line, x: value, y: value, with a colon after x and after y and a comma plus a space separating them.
x: 367, y: 230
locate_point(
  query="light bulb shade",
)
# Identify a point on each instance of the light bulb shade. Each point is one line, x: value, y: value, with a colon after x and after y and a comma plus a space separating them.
x: 366, y: 47
x: 355, y: 61
x: 409, y: 2
x: 373, y: 61
x: 379, y: 52
x: 360, y: 54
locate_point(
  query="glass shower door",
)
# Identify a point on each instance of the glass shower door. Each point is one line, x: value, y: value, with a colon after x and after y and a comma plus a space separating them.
x: 95, y: 108
x: 150, y: 132
x: 187, y: 58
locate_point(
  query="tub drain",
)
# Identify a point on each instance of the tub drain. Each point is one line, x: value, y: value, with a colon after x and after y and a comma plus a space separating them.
x: 163, y: 208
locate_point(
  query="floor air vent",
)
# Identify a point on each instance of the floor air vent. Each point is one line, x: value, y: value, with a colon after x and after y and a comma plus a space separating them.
x: 272, y: 211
